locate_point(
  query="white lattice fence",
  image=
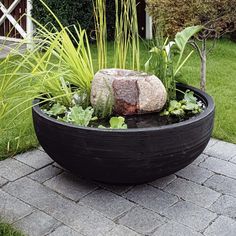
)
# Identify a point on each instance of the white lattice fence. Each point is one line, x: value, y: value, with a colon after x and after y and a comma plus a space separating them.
x: 15, y: 21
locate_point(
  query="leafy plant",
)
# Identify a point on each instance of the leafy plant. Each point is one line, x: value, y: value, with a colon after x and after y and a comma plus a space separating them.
x: 56, y: 110
x: 189, y: 105
x: 116, y: 123
x: 161, y: 61
x: 79, y: 116
x: 217, y: 16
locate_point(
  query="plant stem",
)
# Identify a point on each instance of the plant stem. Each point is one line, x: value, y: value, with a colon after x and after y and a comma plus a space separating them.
x: 203, y: 66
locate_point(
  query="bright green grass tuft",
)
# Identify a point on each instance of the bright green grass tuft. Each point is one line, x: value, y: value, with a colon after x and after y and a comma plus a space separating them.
x: 221, y: 77
x: 7, y: 230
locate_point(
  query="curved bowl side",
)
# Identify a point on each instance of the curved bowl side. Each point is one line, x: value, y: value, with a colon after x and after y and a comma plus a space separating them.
x: 126, y: 156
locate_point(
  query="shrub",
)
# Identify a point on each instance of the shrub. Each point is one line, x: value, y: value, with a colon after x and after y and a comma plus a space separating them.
x: 70, y: 12
x: 217, y: 16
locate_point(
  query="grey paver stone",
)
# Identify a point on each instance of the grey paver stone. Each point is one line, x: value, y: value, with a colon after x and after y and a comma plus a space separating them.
x: 195, y: 174
x: 174, y: 229
x: 45, y: 174
x: 163, y: 182
x: 118, y: 189
x: 142, y: 220
x: 200, y: 159
x: 151, y: 198
x: 220, y: 166
x: 3, y: 181
x: 233, y: 160
x: 222, y: 184
x: 193, y: 192
x: 36, y: 159
x: 12, y: 209
x: 191, y: 215
x: 41, y: 149
x: 211, y: 143
x: 107, y: 203
x: 225, y: 205
x: 222, y: 226
x: 222, y: 150
x: 121, y: 230
x: 58, y: 166
x: 11, y: 169
x: 70, y: 186
x: 80, y: 218
x: 64, y: 231
x: 38, y: 223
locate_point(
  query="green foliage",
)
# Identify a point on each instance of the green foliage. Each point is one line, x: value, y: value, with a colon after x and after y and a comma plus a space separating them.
x: 189, y: 105
x: 181, y: 40
x: 71, y: 12
x: 7, y: 230
x: 56, y: 110
x: 79, y: 116
x: 161, y: 62
x: 217, y: 15
x: 74, y: 115
x: 116, y: 123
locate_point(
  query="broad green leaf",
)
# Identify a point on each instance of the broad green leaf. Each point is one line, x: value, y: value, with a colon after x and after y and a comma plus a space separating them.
x: 57, y: 109
x: 118, y: 123
x: 189, y: 97
x: 182, y: 38
x: 79, y: 116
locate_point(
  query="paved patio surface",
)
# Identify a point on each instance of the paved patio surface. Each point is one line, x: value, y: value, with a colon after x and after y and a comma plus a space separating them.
x: 40, y: 198
x: 7, y: 47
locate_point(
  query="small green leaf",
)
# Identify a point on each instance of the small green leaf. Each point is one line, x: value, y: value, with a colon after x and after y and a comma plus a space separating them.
x: 57, y: 109
x: 118, y: 123
x: 189, y: 97
x: 79, y: 116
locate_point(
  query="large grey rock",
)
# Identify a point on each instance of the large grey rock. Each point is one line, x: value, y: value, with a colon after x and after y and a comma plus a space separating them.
x: 129, y: 92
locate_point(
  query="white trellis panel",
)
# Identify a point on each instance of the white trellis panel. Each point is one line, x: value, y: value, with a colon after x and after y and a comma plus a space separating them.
x: 24, y: 32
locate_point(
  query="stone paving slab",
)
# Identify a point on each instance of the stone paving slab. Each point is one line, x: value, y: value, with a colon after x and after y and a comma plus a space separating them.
x: 12, y: 209
x: 41, y: 198
x: 38, y: 223
x: 223, y: 226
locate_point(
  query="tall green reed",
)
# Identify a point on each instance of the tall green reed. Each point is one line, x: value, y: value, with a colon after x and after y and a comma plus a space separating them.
x: 101, y: 32
x: 126, y: 35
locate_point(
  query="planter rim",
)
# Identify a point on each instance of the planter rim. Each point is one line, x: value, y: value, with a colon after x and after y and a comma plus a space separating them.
x: 204, y: 96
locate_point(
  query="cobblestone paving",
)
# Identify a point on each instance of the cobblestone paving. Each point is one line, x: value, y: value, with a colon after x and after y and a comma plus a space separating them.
x: 40, y: 198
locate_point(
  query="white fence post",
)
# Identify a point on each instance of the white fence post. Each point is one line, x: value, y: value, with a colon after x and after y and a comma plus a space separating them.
x: 149, y: 34
x: 29, y: 25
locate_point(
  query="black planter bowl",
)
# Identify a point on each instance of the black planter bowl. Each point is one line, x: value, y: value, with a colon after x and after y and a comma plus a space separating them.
x: 131, y: 156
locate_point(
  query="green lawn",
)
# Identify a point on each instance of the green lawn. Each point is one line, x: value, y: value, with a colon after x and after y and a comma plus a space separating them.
x: 221, y: 85
x: 7, y: 230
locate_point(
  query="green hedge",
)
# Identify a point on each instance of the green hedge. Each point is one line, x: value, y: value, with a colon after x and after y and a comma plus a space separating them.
x: 73, y: 11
